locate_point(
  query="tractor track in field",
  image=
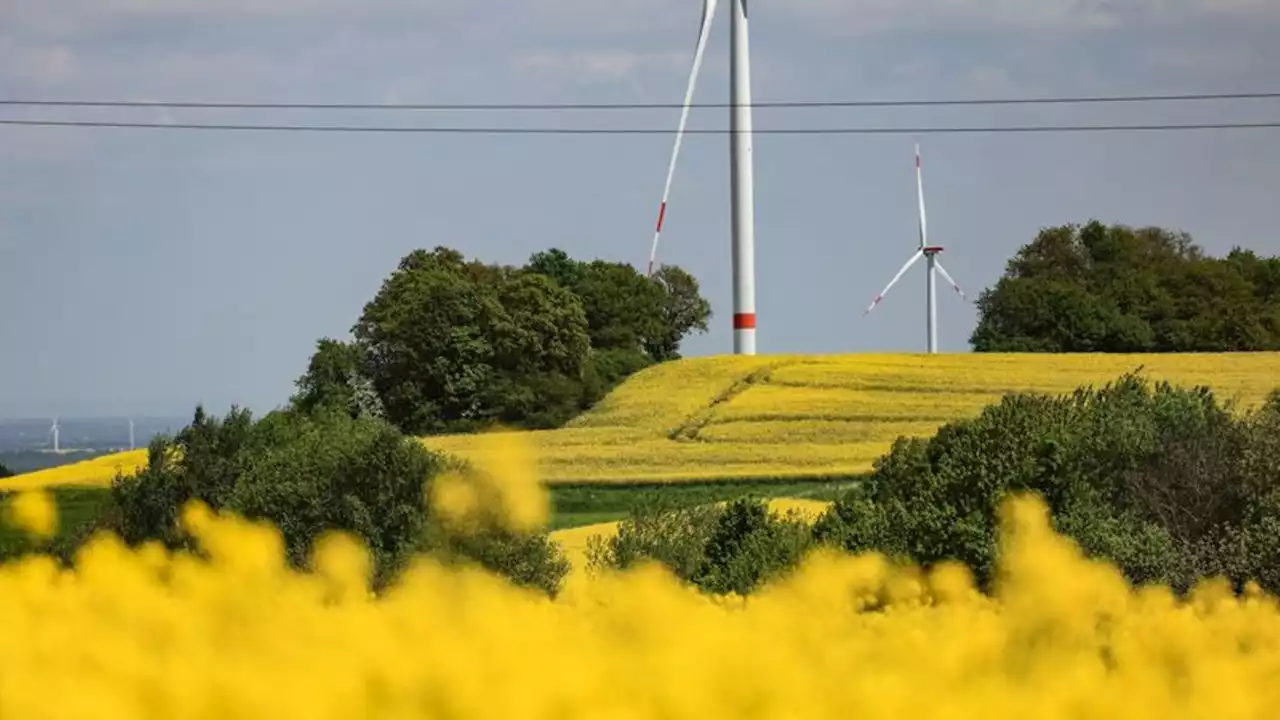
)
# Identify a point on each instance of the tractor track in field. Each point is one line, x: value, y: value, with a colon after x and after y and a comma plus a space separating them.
x: 690, y: 428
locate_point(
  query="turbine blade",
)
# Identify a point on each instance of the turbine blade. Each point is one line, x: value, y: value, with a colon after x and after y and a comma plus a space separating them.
x: 924, y: 224
x: 918, y: 254
x: 947, y: 277
x: 704, y: 31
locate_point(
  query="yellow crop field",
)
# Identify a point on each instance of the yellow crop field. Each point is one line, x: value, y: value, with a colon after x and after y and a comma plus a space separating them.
x: 97, y: 472
x: 724, y: 418
x: 780, y: 417
x: 142, y: 633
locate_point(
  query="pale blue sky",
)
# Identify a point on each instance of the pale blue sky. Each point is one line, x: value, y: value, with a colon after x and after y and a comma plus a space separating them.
x: 143, y: 271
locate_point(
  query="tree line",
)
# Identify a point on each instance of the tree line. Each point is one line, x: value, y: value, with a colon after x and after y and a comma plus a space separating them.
x: 1118, y: 289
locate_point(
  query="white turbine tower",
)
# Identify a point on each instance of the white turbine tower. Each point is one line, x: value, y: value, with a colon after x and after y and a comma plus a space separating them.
x: 929, y: 252
x: 741, y: 177
x: 132, y: 446
x: 54, y: 431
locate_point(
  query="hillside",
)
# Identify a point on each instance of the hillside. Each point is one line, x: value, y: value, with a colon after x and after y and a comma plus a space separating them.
x: 725, y: 418
x: 810, y: 416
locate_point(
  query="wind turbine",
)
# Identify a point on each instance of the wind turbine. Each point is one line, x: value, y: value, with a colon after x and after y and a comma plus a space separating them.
x: 930, y: 253
x: 741, y: 176
x: 132, y: 446
x: 54, y: 431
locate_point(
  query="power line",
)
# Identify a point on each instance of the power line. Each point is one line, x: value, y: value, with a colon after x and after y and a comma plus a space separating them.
x: 1065, y: 100
x: 642, y: 131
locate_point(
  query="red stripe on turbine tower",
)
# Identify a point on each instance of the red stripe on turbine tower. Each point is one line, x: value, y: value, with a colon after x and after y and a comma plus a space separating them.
x: 744, y: 321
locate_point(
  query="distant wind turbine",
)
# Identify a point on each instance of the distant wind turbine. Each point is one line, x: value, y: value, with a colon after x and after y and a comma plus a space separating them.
x: 929, y: 252
x: 54, y: 431
x: 132, y: 445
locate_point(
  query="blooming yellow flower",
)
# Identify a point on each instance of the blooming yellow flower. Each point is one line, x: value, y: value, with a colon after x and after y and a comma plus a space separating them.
x: 35, y: 512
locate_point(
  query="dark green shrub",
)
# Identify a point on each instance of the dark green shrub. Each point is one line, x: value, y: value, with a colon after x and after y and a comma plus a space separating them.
x: 308, y: 474
x: 1160, y: 480
x: 532, y: 561
x: 750, y: 545
x: 658, y: 530
x: 731, y: 548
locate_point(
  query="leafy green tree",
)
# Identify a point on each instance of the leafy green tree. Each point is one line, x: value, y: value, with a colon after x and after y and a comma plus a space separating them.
x: 336, y: 379
x: 309, y: 474
x: 4, y: 471
x: 557, y: 265
x: 626, y: 310
x: 452, y: 345
x: 682, y: 310
x: 1098, y: 288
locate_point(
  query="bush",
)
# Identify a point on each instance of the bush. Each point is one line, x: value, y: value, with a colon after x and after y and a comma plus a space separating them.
x: 309, y: 474
x: 1166, y: 482
x: 733, y: 548
x: 4, y: 471
x: 532, y: 561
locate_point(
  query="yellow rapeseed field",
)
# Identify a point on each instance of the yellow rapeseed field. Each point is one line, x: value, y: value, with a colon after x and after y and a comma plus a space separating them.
x: 811, y: 416
x: 94, y: 473
x: 733, y: 417
x: 147, y: 635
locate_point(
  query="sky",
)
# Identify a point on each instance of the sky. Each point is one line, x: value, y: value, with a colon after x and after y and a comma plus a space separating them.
x: 143, y: 271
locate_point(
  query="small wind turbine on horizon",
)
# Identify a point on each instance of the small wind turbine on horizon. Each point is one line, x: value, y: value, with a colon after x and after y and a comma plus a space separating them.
x: 132, y: 445
x: 54, y: 431
x: 930, y: 253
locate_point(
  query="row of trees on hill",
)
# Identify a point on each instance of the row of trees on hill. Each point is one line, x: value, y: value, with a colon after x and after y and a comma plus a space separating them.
x: 451, y: 345
x: 1098, y: 288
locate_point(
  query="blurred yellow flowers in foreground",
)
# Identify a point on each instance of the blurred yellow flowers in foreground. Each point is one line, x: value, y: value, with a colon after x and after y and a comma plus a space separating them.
x: 146, y: 634
x: 34, y: 512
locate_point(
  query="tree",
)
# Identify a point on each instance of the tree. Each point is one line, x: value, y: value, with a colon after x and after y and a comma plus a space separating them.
x: 453, y: 345
x: 627, y: 311
x: 557, y: 265
x: 310, y: 474
x: 1098, y: 288
x: 450, y: 344
x: 682, y: 310
x: 336, y: 379
x: 5, y: 472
